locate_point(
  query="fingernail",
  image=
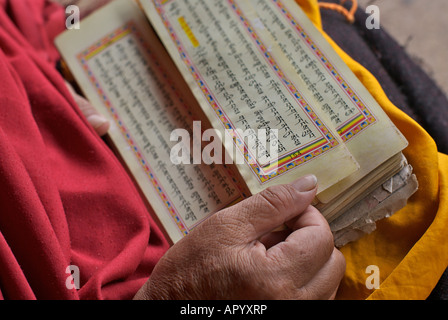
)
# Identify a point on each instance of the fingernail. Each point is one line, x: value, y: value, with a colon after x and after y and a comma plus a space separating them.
x: 99, y: 123
x: 96, y: 120
x: 306, y: 183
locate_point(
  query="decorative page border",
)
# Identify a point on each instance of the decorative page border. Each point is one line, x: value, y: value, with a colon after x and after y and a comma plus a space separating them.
x: 310, y: 150
x: 360, y: 121
x: 288, y: 162
x: 83, y: 57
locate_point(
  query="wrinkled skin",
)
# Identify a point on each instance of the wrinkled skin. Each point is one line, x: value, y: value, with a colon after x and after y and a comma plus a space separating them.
x: 234, y: 254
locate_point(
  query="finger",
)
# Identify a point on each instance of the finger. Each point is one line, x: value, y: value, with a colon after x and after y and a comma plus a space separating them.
x: 100, y: 124
x: 96, y: 120
x: 308, y: 248
x: 295, y: 223
x: 272, y: 238
x: 325, y: 283
x: 312, y: 217
x: 333, y: 295
x: 270, y: 208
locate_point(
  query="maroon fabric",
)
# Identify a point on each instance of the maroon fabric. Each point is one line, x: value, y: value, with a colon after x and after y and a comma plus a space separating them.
x: 64, y: 198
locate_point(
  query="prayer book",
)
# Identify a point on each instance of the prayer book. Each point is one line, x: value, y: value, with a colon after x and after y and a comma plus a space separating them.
x: 213, y: 101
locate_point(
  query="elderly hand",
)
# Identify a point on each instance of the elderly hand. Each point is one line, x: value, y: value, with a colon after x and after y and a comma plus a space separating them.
x: 235, y: 255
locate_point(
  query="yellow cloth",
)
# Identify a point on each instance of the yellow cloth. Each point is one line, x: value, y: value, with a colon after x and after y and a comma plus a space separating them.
x: 409, y: 248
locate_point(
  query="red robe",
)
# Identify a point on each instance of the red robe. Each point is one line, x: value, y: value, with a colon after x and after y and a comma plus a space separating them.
x: 64, y: 198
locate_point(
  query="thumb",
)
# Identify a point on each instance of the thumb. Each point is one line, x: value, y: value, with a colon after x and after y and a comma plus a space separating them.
x: 270, y: 208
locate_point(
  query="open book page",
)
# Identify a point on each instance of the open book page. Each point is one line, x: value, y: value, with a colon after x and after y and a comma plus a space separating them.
x: 329, y: 85
x: 242, y: 82
x: 123, y: 70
